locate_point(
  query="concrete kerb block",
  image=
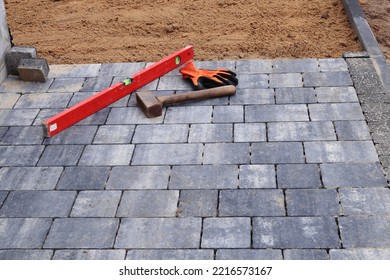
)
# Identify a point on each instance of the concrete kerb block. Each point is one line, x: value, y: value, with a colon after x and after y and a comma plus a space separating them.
x: 15, y: 55
x: 33, y: 70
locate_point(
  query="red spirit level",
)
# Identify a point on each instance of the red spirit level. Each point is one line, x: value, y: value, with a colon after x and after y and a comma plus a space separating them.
x: 104, y: 98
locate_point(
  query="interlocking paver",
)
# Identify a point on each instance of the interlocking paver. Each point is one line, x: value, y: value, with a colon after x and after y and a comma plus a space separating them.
x: 66, y: 85
x: 295, y: 95
x: 20, y: 155
x: 189, y: 114
x: 352, y: 130
x: 327, y: 79
x: 3, y: 196
x: 74, y: 70
x: 13, y: 84
x: 365, y: 201
x: 8, y: 100
x: 17, y: 117
x: 73, y: 135
x: 257, y: 177
x: 253, y: 96
x: 298, y: 176
x: 301, y: 131
x: 44, y: 100
x: 228, y: 114
x: 333, y: 64
x: 336, y: 94
x: 277, y: 152
x: 305, y: 254
x: 23, y: 135
x: 249, y: 254
x: 170, y: 254
x: 198, y: 203
x: 254, y: 66
x: 285, y: 80
x: 96, y: 204
x: 83, y: 178
x: 250, y: 132
x: 95, y: 84
x: 131, y: 115
x: 276, y: 113
x: 38, y: 254
x: 121, y: 69
x: 89, y: 254
x: 335, y: 112
x: 296, y: 65
x: 107, y: 155
x: 3, y: 130
x: 209, y: 133
x: 252, y: 81
x: 61, y: 155
x: 226, y: 153
x: 167, y: 133
x: 114, y: 134
x: 360, y: 254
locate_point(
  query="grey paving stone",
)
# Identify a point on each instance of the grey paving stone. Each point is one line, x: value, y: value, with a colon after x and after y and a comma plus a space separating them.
x: 29, y: 178
x: 139, y: 177
x: 276, y: 113
x: 198, y: 203
x: 131, y: 115
x: 257, y: 177
x: 341, y: 151
x: 254, y: 66
x: 20, y: 155
x: 3, y: 130
x: 189, y: 114
x: 148, y: 204
x: 8, y: 100
x: 107, y: 155
x: 333, y: 64
x: 45, y: 114
x: 365, y: 231
x: 360, y: 254
x: 327, y: 79
x: 44, y: 100
x: 23, y: 233
x: 228, y: 114
x: 336, y: 112
x: 249, y: 254
x: 296, y: 65
x: 37, y: 204
x: 114, y: 134
x: 61, y: 155
x: 348, y: 175
x: 171, y: 82
x: 280, y: 152
x: 167, y: 154
x: 167, y: 254
x: 74, y: 70
x: 253, y: 96
x: 336, y: 94
x: 226, y: 233
x: 3, y: 196
x: 285, y: 80
x: 313, y: 202
x: 96, y: 83
x: 159, y: 233
x: 23, y: 135
x: 83, y: 178
x: 295, y: 232
x: 166, y: 133
x: 73, y: 135
x: 226, y: 153
x: 89, y: 255
x: 215, y: 64
x: 204, y: 177
x: 294, y: 176
x: 365, y: 201
x: 69, y: 233
x: 295, y: 95
x: 352, y: 130
x: 17, y: 117
x: 236, y: 203
x: 250, y: 132
x: 66, y: 85
x: 96, y: 204
x: 13, y: 84
x: 121, y: 69
x: 210, y: 133
x: 26, y: 254
x: 252, y: 81
x: 301, y: 131
x: 305, y: 254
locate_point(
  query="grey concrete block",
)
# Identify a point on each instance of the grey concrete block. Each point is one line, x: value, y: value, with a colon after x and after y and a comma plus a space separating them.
x: 365, y: 201
x: 171, y: 82
x: 252, y: 81
x: 365, y: 231
x: 296, y: 65
x: 107, y: 155
x: 226, y: 153
x: 99, y: 204
x: 74, y: 70
x: 3, y: 196
x: 250, y: 132
x: 26, y: 255
x: 228, y: 114
x: 66, y: 85
x: 210, y: 133
x: 61, y: 155
x: 139, y: 177
x: 159, y: 233
x: 254, y: 66
x: 175, y: 133
x: 114, y: 134
x: 95, y: 84
x: 253, y: 96
x: 295, y: 95
x: 360, y: 254
x: 333, y: 64
x: 131, y: 115
x: 189, y: 114
x: 19, y: 117
x: 37, y: 204
x: 285, y: 80
x: 23, y: 233
x: 198, y: 203
x: 305, y: 254
x: 352, y: 130
x: 23, y: 135
x: 12, y: 84
x: 313, y: 202
x: 148, y: 204
x: 73, y: 135
x: 336, y: 94
x: 121, y: 69
x: 296, y: 176
x: 243, y: 203
x: 20, y: 155
x: 257, y: 177
x: 327, y: 79
x: 8, y: 100
x: 204, y: 177
x: 336, y: 112
x: 44, y: 100
x: 167, y: 154
x: 169, y: 254
x: 249, y: 254
x: 15, y: 55
x: 226, y: 233
x: 295, y: 232
x: 301, y: 131
x: 344, y: 175
x: 89, y: 255
x: 33, y: 70
x: 276, y: 113
x: 83, y: 178
x: 278, y: 152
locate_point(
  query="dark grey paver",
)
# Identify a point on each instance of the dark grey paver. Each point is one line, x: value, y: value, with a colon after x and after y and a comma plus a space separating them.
x: 107, y: 155
x: 121, y: 69
x: 336, y: 112
x: 254, y: 66
x: 20, y: 155
x: 37, y: 204
x: 226, y: 153
x: 159, y: 233
x: 295, y: 95
x: 208, y: 133
x: 276, y: 113
x: 68, y: 233
x: 226, y: 233
x: 61, y: 155
x: 189, y: 114
x: 305, y: 254
x: 13, y: 84
x: 253, y: 96
x: 228, y: 114
x: 175, y: 133
x: 23, y: 233
x: 83, y: 178
x: 139, y: 177
x: 173, y: 82
x: 198, y: 203
x: 23, y: 135
x: 360, y: 254
x: 344, y: 175
x: 66, y: 85
x: 295, y: 65
x: 301, y: 131
x: 148, y: 204
x: 257, y: 177
x: 73, y: 135
x: 249, y: 254
x: 44, y: 100
x: 250, y: 132
x: 96, y: 204
x: 94, y: 84
x: 3, y: 130
x: 251, y: 203
x: 333, y: 64
x: 17, y: 117
x: 74, y: 70
x: 114, y: 134
x: 295, y: 232
x: 327, y: 79
x: 365, y: 201
x: 298, y: 176
x: 26, y: 254
x: 8, y: 100
x: 280, y: 152
x: 365, y: 231
x: 3, y: 196
x: 89, y: 255
x: 285, y: 80
x: 131, y: 115
x: 169, y: 254
x: 252, y: 81
x: 313, y: 202
x: 336, y: 94
x: 167, y: 154
x: 204, y: 177
x: 352, y: 130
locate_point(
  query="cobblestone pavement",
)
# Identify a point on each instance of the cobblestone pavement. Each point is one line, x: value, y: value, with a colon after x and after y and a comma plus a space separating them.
x: 291, y: 167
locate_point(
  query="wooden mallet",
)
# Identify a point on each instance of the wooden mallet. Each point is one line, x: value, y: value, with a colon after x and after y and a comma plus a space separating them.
x: 152, y: 105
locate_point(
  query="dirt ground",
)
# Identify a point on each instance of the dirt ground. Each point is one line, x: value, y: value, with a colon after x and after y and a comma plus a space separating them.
x: 101, y: 31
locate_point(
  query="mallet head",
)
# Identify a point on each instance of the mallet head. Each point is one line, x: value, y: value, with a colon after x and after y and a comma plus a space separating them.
x: 149, y: 104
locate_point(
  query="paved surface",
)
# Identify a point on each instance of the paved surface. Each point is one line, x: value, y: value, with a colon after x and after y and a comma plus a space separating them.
x: 291, y: 167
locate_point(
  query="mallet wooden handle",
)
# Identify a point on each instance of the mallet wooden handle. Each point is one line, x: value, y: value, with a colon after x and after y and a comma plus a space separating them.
x: 197, y: 95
